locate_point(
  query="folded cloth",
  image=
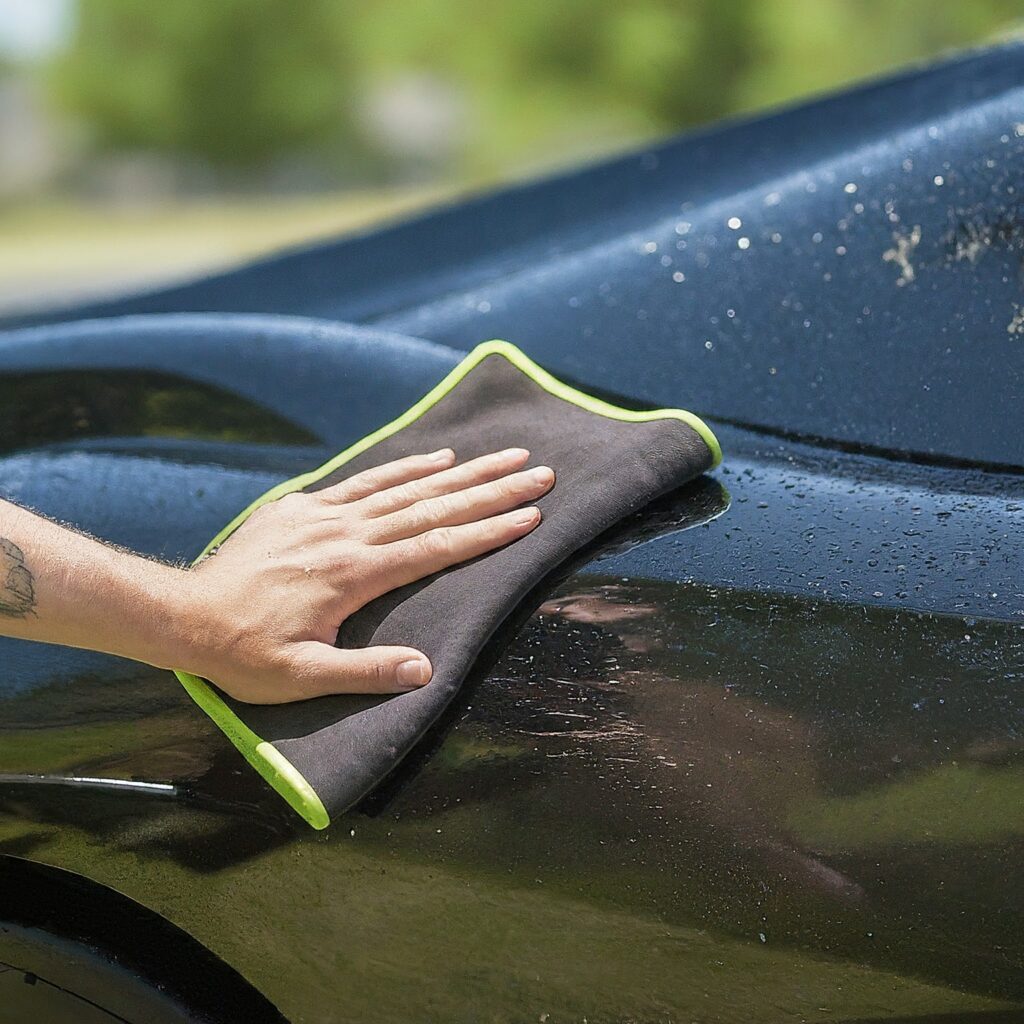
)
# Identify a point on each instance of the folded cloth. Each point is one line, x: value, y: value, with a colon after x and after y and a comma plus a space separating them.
x: 323, y: 755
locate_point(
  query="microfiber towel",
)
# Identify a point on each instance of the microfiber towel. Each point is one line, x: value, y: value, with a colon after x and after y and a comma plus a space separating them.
x: 323, y: 755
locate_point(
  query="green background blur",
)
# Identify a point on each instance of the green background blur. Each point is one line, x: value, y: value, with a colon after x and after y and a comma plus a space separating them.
x: 143, y: 140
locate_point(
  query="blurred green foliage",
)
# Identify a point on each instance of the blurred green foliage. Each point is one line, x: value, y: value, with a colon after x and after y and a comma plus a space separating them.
x: 237, y: 84
x: 234, y: 82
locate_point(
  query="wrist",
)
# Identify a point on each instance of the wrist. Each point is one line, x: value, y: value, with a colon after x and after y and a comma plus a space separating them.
x: 175, y: 629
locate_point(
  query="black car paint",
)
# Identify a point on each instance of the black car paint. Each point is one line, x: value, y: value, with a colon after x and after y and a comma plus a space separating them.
x: 877, y: 301
x: 64, y: 958
x: 757, y: 756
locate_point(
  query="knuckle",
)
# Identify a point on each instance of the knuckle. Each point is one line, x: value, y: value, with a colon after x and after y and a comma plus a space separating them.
x: 496, y: 530
x: 511, y: 486
x: 371, y: 479
x: 351, y: 489
x: 335, y: 494
x: 300, y: 676
x: 379, y: 501
x: 361, y: 485
x: 405, y: 494
x: 441, y: 508
x: 438, y: 543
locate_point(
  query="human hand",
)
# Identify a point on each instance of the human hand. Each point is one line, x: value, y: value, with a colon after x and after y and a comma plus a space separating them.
x: 266, y: 607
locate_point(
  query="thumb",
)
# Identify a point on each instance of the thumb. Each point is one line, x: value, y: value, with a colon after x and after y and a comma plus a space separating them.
x: 326, y: 669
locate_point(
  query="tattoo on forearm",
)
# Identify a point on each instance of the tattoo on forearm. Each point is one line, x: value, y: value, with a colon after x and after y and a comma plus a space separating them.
x: 17, y: 586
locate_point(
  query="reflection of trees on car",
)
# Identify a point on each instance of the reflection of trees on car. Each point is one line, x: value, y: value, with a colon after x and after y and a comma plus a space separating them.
x: 41, y: 408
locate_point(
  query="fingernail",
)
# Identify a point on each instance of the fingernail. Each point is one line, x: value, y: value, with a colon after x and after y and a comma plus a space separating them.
x: 441, y: 455
x: 414, y: 672
x: 542, y: 475
x: 528, y: 515
x: 516, y: 453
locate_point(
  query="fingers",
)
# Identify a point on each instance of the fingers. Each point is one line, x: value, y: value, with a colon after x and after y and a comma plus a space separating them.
x: 430, y: 552
x: 464, y: 506
x: 456, y: 478
x: 321, y: 669
x: 391, y: 474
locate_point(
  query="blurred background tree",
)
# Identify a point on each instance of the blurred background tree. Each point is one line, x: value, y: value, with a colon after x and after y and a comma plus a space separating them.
x: 141, y: 132
x: 232, y: 82
x: 240, y: 85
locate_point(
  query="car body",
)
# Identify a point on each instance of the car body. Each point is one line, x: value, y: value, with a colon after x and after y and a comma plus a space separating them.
x: 756, y: 755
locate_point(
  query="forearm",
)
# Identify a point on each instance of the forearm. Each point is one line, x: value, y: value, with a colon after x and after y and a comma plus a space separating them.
x: 59, y: 586
x: 260, y: 618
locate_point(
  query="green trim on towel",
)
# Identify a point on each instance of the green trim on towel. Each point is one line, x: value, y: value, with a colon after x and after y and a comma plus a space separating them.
x: 282, y: 775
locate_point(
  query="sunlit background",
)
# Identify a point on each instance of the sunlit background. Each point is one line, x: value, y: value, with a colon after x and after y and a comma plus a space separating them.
x: 151, y: 140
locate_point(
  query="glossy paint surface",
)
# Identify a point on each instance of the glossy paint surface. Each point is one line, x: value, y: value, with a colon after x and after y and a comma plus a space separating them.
x: 760, y: 742
x: 756, y: 756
